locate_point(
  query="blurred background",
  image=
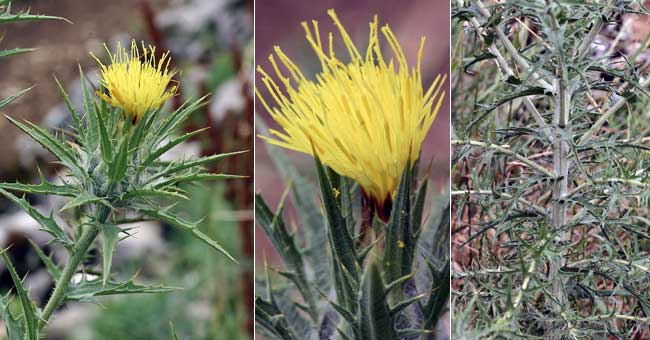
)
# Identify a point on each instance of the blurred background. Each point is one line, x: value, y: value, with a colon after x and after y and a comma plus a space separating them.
x: 211, y: 44
x: 277, y: 22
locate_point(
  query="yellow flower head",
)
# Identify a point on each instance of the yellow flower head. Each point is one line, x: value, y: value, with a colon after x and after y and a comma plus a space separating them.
x: 365, y: 119
x: 136, y: 82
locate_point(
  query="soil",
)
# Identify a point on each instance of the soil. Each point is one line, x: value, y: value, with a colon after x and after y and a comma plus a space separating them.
x: 62, y: 46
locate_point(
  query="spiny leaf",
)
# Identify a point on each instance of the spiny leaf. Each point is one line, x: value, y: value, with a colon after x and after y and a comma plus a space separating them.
x: 374, y: 313
x: 81, y: 199
x: 29, y: 311
x: 398, y: 282
x: 109, y: 241
x: 63, y: 152
x: 10, y: 99
x: 405, y: 303
x: 13, y: 326
x: 139, y: 132
x: 117, y: 168
x: 48, y: 223
x: 105, y: 142
x: 73, y: 112
x: 269, y: 317
x: 399, y: 248
x: 346, y: 294
x: 152, y: 193
x: 172, y: 330
x: 179, y: 166
x: 195, y: 177
x: 87, y: 290
x: 286, y: 245
x: 15, y: 51
x: 283, y: 297
x: 439, y: 297
x: 418, y: 208
x: 52, y: 268
x: 340, y: 239
x: 160, y: 151
x: 173, y: 120
x: 25, y: 16
x: 411, y: 332
x: 91, y: 137
x: 187, y: 226
x: 45, y: 187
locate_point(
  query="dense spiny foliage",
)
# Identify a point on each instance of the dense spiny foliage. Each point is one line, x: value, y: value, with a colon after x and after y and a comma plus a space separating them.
x: 550, y: 183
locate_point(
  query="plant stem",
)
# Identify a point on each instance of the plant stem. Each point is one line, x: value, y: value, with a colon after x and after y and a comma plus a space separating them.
x: 82, y: 245
x: 81, y: 248
x: 560, y: 147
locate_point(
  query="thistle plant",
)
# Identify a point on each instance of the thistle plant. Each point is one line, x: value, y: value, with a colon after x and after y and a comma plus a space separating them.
x: 369, y: 266
x: 550, y: 182
x: 113, y: 174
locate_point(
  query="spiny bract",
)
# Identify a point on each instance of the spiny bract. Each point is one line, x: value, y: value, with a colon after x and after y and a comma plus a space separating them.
x: 136, y: 82
x: 365, y: 119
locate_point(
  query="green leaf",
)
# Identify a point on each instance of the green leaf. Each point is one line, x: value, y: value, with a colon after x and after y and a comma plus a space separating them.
x: 15, y: 51
x: 25, y: 16
x: 91, y: 137
x: 340, y: 239
x: 160, y: 151
x: 166, y: 217
x: 172, y: 330
x: 87, y: 290
x: 300, y: 325
x: 345, y: 293
x: 81, y: 199
x: 52, y: 268
x: 13, y: 326
x: 418, y: 208
x: 348, y: 188
x: 109, y: 241
x: 117, y: 168
x: 374, y: 313
x: 29, y: 310
x: 178, y: 166
x: 105, y: 142
x: 45, y: 187
x: 196, y: 177
x: 406, y: 303
x: 152, y: 193
x: 439, y: 297
x: 173, y: 120
x: 48, y: 223
x: 271, y: 319
x: 149, y: 119
x: 73, y: 112
x: 138, y: 133
x: 10, y: 99
x: 63, y: 152
x: 399, y: 247
x: 344, y: 256
x: 285, y: 244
